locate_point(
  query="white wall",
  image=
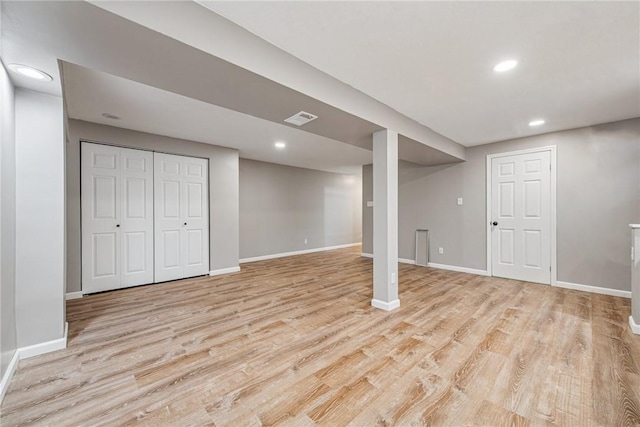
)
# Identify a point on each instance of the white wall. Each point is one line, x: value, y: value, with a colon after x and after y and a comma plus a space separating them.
x: 8, y: 337
x: 40, y: 258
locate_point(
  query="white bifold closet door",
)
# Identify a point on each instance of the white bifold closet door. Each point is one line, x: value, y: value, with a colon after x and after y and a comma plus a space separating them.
x: 117, y: 217
x: 181, y: 217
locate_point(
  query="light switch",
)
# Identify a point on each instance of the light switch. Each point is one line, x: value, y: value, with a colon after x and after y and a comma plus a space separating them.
x: 459, y: 201
x: 393, y: 278
x: 370, y: 203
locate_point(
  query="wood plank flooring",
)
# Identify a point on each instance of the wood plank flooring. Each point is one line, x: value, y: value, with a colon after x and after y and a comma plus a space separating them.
x: 294, y: 341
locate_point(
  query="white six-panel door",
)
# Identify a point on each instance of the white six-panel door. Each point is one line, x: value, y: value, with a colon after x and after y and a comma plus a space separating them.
x: 520, y: 220
x: 181, y: 217
x: 117, y: 217
x: 137, y: 217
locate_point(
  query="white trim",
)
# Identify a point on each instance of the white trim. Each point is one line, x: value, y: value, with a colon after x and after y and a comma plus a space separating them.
x: 458, y: 269
x: 45, y: 347
x: 383, y: 305
x: 305, y: 251
x: 635, y: 328
x: 593, y: 289
x: 224, y: 271
x: 440, y: 266
x: 31, y: 351
x: 553, y: 202
x: 6, y: 378
x: 73, y: 295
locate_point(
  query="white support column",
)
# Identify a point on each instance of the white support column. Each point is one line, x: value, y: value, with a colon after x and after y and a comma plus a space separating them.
x: 385, y: 220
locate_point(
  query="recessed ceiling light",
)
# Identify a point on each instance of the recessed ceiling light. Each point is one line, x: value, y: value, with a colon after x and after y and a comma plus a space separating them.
x: 30, y: 72
x: 280, y: 145
x: 537, y: 122
x: 505, y: 66
x: 110, y: 116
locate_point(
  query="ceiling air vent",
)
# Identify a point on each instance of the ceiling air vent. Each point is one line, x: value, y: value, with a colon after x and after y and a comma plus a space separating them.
x: 301, y: 118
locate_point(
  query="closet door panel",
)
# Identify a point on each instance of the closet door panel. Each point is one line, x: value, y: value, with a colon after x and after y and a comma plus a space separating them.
x: 137, y: 217
x: 182, y: 217
x: 100, y: 203
x: 195, y: 255
x: 105, y: 255
x: 196, y: 217
x: 168, y: 201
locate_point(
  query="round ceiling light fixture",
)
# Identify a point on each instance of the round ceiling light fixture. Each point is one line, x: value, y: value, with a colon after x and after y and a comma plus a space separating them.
x: 32, y: 73
x: 280, y: 145
x: 505, y: 66
x: 537, y: 122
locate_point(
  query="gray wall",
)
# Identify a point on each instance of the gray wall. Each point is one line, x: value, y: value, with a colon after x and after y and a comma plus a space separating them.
x: 8, y: 334
x: 598, y: 195
x: 280, y: 206
x: 39, y: 217
x: 223, y: 189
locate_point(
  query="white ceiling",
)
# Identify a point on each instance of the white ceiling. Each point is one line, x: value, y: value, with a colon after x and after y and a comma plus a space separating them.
x: 89, y: 94
x: 579, y: 62
x: 579, y: 65
x: 160, y: 84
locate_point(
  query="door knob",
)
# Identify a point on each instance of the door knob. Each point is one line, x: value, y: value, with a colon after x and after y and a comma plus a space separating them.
x: 185, y: 223
x: 117, y: 225
x: 494, y: 223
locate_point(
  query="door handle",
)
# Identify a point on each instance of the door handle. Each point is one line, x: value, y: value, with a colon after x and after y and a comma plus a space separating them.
x: 494, y: 223
x: 185, y: 223
x: 117, y: 225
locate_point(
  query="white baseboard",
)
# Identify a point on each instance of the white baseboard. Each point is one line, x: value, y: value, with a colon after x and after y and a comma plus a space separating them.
x: 440, y: 266
x: 635, y: 328
x: 458, y: 269
x: 593, y: 289
x: 73, y: 295
x: 45, y: 347
x: 6, y: 378
x: 224, y: 271
x: 383, y: 305
x: 402, y: 260
x: 31, y: 351
x: 304, y: 251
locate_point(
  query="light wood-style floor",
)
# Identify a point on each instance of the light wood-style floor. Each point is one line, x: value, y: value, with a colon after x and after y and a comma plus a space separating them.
x: 294, y: 341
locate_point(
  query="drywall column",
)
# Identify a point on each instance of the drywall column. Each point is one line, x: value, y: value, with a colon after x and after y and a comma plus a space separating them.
x: 8, y: 337
x: 385, y: 220
x: 634, y: 319
x: 40, y: 260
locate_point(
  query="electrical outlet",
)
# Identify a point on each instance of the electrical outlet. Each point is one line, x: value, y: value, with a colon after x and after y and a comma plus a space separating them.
x: 306, y: 241
x: 441, y: 251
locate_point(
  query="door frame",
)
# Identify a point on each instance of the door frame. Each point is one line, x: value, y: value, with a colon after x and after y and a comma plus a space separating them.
x: 150, y: 150
x: 552, y: 152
